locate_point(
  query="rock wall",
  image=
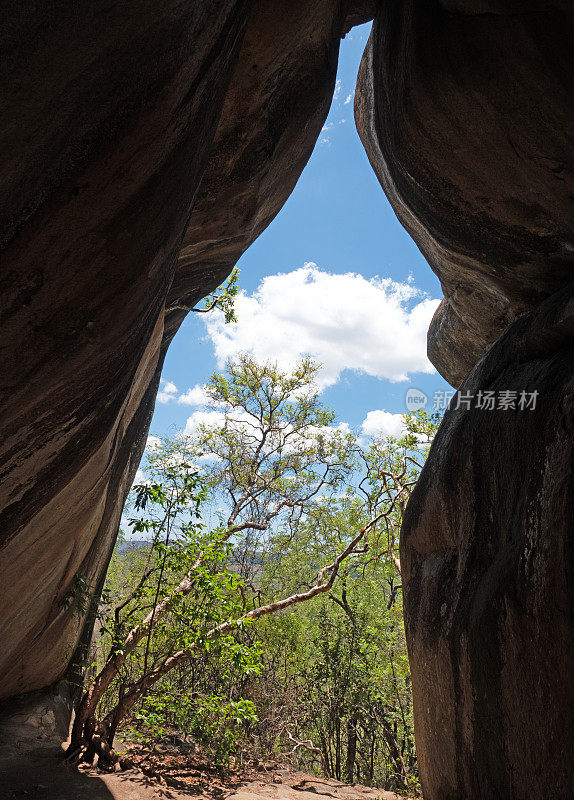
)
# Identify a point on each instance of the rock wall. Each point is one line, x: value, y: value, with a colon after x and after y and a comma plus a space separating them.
x: 465, y: 110
x: 112, y: 118
x: 487, y: 554
x: 107, y: 125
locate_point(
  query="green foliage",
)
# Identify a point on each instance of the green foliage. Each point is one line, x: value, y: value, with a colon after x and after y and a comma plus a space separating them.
x: 276, y: 440
x: 344, y: 658
x: 220, y: 724
x: 224, y: 297
x: 212, y: 720
x: 170, y: 507
x: 77, y: 598
x: 291, y: 489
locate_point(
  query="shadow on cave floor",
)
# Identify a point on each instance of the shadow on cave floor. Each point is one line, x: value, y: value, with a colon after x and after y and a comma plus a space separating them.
x: 42, y: 775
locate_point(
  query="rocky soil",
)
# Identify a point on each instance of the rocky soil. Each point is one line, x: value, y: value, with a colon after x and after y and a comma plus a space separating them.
x: 43, y: 776
x: 32, y: 767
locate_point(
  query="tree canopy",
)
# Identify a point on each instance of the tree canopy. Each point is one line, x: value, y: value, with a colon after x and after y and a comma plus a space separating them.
x: 264, y: 594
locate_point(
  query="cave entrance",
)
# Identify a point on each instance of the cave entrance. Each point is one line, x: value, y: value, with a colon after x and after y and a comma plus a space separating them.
x: 335, y: 276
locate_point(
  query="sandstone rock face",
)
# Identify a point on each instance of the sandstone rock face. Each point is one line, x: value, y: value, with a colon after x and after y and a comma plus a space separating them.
x: 487, y: 553
x: 144, y: 148
x: 465, y: 109
x: 272, y: 116
x: 108, y: 120
x: 465, y: 112
x: 111, y: 119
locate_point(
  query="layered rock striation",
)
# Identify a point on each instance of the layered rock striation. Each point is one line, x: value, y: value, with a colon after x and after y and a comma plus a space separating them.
x: 487, y: 555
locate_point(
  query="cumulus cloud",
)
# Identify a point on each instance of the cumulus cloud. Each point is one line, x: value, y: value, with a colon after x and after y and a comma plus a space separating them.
x: 376, y: 326
x: 167, y: 392
x: 140, y: 478
x: 348, y: 99
x: 197, y: 396
x: 212, y: 418
x: 152, y: 443
x: 381, y: 423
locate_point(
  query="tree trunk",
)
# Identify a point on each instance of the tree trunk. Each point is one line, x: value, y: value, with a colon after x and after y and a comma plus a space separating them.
x: 394, y: 749
x: 351, y: 747
x: 338, y: 748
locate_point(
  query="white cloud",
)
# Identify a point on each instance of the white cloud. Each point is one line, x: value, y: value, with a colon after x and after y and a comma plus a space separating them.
x: 153, y: 443
x: 241, y: 421
x: 383, y: 423
x: 375, y: 326
x: 195, y: 397
x: 140, y: 478
x: 203, y: 418
x: 348, y: 99
x: 214, y: 417
x: 167, y: 392
x: 337, y: 91
x: 325, y: 137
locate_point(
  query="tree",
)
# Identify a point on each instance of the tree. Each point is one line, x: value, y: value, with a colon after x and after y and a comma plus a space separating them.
x: 344, y: 657
x: 222, y: 298
x: 275, y: 455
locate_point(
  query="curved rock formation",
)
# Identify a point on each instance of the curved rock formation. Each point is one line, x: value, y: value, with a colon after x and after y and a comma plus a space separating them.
x: 465, y: 110
x: 110, y: 123
x: 487, y: 555
x: 145, y: 147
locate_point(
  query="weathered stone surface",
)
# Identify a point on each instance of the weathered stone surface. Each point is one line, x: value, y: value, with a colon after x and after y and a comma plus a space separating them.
x: 110, y: 118
x: 278, y: 101
x: 31, y: 766
x: 487, y: 553
x: 145, y: 147
x: 299, y: 786
x: 465, y: 109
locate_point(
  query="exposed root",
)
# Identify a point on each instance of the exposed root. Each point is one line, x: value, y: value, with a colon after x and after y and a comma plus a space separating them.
x: 76, y: 755
x: 96, y: 745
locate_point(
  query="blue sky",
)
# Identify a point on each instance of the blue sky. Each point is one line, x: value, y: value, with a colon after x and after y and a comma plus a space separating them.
x: 334, y: 274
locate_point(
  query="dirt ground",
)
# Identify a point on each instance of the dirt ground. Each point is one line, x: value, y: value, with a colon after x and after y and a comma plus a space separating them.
x: 42, y: 775
x: 32, y: 767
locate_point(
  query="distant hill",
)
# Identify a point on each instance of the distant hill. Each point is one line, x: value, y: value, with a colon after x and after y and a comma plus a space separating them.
x: 124, y: 547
